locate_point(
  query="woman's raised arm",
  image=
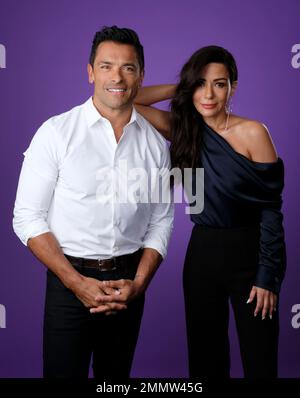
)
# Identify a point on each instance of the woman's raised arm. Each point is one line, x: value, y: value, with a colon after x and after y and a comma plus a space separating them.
x: 158, y: 118
x: 152, y: 94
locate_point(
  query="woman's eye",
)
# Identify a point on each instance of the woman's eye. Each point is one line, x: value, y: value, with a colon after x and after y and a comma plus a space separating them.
x: 221, y: 85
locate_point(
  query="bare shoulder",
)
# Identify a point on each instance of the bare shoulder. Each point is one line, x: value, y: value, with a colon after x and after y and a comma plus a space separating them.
x: 258, y: 140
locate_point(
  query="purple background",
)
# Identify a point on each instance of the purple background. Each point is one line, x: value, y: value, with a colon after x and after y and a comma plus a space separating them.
x: 47, y: 44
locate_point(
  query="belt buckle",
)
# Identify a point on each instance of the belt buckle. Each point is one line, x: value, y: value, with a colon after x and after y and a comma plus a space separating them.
x: 103, y: 267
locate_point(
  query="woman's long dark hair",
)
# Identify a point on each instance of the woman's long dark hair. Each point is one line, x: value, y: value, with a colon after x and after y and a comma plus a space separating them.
x: 186, y: 121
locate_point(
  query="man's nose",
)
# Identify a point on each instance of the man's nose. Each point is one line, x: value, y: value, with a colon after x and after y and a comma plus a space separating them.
x: 116, y: 76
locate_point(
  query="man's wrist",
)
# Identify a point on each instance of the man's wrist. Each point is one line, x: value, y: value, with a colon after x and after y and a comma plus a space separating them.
x: 141, y: 282
x: 72, y: 280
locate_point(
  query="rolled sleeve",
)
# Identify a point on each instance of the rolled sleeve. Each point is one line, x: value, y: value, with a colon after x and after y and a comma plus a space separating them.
x: 161, y: 221
x: 36, y: 186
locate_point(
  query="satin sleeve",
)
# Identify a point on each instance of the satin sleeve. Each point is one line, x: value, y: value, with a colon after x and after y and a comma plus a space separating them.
x: 272, y: 253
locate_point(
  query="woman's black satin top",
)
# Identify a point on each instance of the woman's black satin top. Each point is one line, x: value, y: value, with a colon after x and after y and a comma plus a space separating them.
x: 240, y: 192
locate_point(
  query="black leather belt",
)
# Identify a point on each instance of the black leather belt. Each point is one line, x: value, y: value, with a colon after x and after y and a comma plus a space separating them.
x: 109, y: 264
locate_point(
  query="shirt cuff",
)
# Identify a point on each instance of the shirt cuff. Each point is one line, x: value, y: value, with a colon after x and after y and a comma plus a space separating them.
x: 35, y: 230
x: 156, y: 245
x: 266, y: 279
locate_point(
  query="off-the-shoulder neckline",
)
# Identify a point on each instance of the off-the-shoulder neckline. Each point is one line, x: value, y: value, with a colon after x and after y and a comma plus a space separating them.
x: 238, y: 153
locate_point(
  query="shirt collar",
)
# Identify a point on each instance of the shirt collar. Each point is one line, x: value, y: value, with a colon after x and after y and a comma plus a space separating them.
x: 92, y: 114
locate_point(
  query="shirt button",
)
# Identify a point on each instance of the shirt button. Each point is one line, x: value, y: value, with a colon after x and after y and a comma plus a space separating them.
x: 115, y: 248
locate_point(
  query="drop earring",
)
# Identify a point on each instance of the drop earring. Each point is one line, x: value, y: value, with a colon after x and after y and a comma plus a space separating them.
x: 228, y: 110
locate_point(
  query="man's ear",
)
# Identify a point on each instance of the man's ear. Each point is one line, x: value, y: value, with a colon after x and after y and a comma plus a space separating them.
x: 90, y: 73
x: 142, y: 78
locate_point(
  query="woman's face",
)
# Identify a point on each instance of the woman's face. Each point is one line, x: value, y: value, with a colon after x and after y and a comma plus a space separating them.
x: 211, y: 96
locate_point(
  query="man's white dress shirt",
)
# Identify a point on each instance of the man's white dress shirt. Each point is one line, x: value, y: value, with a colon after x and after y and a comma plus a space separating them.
x: 69, y: 185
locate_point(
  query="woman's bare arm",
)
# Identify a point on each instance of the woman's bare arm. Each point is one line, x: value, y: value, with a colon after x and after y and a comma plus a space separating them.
x: 260, y: 144
x: 161, y: 120
x: 152, y: 94
x: 158, y: 118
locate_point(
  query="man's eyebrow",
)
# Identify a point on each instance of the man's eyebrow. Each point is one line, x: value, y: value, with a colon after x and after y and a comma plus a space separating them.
x: 110, y: 63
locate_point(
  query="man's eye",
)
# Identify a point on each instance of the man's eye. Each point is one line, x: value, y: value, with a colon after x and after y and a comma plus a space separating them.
x: 104, y: 66
x: 221, y: 85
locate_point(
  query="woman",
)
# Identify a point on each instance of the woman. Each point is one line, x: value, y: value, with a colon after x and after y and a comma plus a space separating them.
x: 237, y: 249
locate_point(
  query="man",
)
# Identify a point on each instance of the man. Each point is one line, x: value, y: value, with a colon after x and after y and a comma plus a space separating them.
x: 101, y: 253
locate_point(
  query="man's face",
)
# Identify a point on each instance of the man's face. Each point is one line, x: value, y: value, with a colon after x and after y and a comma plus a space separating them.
x: 116, y: 75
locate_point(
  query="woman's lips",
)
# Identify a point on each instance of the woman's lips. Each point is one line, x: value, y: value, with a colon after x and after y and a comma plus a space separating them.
x: 208, y: 106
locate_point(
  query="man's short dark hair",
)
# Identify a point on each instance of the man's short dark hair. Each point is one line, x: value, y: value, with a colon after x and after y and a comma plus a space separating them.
x: 119, y: 35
